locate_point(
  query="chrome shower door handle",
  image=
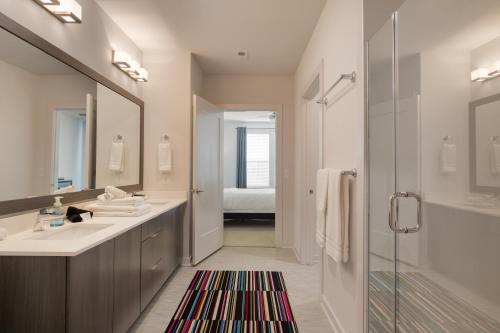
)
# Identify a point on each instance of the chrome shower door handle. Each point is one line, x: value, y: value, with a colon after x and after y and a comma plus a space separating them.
x: 393, y: 212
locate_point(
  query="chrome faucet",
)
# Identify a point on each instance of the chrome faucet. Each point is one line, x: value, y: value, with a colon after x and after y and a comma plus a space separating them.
x: 42, y: 218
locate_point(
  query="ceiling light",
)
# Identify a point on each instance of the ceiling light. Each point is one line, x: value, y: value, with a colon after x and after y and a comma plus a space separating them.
x: 67, y: 11
x: 479, y: 75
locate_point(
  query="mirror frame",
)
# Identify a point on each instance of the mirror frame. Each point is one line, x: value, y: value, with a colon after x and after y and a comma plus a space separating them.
x: 474, y: 187
x: 11, y: 207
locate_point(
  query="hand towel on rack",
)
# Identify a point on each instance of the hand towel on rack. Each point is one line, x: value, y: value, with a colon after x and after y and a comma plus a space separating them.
x: 164, y: 157
x: 117, y: 157
x: 337, y: 217
x: 448, y: 158
x: 321, y: 198
x: 495, y: 158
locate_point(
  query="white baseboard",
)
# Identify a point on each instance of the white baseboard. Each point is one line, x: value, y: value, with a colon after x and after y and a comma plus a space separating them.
x: 330, y: 314
x: 186, y: 261
x: 297, y: 255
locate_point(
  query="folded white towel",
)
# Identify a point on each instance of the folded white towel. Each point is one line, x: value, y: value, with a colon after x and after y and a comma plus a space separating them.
x: 67, y: 189
x: 99, y: 207
x: 117, y: 157
x: 448, y: 158
x: 321, y: 197
x: 337, y: 217
x: 116, y: 192
x: 165, y: 157
x: 495, y: 158
x: 122, y: 214
x: 135, y: 201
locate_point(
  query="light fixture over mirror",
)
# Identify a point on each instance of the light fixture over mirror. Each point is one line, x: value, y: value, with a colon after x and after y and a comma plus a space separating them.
x: 131, y: 67
x: 67, y: 11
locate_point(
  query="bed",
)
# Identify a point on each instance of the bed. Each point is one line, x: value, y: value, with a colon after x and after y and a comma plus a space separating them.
x: 249, y: 203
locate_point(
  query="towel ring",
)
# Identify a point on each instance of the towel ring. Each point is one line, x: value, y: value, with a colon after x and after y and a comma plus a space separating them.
x: 164, y: 138
x: 118, y: 138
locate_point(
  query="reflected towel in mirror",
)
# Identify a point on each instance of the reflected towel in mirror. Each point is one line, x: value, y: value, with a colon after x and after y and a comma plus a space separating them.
x: 448, y: 158
x: 117, y: 157
x: 495, y: 158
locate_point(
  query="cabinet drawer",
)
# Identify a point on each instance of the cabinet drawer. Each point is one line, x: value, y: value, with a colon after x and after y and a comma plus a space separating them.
x: 152, y: 228
x: 153, y: 267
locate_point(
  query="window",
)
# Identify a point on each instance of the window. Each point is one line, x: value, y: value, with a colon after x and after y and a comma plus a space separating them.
x: 258, y: 156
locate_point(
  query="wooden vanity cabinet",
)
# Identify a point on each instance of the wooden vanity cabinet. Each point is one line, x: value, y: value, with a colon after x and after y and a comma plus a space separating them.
x: 103, y: 290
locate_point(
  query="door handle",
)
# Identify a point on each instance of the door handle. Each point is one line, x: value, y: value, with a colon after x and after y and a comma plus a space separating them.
x: 196, y: 191
x: 393, y: 212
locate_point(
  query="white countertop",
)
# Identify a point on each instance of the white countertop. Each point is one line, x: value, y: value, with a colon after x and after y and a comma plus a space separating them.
x: 20, y: 244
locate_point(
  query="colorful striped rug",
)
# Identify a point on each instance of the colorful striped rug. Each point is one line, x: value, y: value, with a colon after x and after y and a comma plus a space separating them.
x: 229, y: 301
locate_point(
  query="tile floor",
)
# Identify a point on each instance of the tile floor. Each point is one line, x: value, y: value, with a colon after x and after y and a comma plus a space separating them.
x: 303, y: 283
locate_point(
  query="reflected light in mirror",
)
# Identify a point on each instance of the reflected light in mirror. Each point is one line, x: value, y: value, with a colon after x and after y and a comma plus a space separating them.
x: 67, y: 11
x: 495, y: 70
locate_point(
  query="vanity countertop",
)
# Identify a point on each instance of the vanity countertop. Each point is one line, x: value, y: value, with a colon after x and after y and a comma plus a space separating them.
x: 22, y: 244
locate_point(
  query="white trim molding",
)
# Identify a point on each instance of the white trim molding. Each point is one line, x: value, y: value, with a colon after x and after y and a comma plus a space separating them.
x: 330, y: 314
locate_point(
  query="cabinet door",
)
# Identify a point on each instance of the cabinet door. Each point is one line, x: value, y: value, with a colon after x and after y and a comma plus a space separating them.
x: 171, y: 242
x: 32, y: 294
x: 152, y: 267
x: 90, y: 290
x: 127, y: 280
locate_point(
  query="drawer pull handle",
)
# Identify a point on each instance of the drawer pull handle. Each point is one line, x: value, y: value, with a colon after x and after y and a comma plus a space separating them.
x: 155, y: 266
x: 154, y: 235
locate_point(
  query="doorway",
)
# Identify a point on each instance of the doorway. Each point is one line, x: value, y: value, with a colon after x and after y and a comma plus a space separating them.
x: 249, y: 163
x: 70, y: 127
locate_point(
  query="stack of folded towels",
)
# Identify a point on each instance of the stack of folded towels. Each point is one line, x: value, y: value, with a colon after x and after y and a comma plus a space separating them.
x: 118, y: 203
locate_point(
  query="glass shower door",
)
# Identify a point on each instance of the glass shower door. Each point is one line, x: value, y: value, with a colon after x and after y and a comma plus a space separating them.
x: 447, y: 270
x: 381, y: 132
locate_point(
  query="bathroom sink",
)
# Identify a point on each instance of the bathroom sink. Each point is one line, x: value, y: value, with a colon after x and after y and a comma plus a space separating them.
x: 70, y: 232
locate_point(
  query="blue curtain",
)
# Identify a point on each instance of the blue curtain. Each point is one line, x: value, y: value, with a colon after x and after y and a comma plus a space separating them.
x: 241, y: 158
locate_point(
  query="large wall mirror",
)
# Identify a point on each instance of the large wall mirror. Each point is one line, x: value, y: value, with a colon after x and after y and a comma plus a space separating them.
x: 64, y: 129
x: 485, y: 144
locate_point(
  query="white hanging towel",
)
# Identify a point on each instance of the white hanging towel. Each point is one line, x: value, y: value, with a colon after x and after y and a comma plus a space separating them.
x: 337, y: 217
x: 321, y: 197
x: 165, y: 157
x: 448, y: 158
x: 495, y: 158
x: 117, y: 157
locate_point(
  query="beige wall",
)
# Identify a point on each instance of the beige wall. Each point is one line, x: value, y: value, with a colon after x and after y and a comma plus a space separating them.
x: 91, y: 42
x: 338, y: 41
x: 263, y: 89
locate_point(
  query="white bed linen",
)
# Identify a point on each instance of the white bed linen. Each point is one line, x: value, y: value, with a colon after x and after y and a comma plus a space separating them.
x: 249, y: 200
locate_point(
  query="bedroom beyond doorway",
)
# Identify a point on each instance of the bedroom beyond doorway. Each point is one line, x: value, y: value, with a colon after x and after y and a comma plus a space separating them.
x: 249, y: 178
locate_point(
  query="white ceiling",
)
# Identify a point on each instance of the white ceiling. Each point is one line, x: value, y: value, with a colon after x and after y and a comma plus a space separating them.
x: 274, y: 32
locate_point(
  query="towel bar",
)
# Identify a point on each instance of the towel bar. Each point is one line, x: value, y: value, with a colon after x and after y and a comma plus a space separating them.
x: 352, y: 172
x: 351, y: 77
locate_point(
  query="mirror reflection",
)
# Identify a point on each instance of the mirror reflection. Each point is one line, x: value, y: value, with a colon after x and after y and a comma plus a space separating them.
x: 56, y: 126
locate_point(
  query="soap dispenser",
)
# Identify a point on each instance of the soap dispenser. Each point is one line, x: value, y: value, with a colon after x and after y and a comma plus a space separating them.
x: 59, y: 220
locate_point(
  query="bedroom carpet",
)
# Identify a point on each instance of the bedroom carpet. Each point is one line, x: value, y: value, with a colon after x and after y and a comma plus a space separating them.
x: 234, y: 301
x: 249, y: 234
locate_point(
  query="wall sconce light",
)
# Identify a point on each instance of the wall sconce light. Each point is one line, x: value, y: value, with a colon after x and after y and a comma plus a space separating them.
x: 495, y: 70
x: 132, y: 68
x: 480, y: 75
x: 67, y: 11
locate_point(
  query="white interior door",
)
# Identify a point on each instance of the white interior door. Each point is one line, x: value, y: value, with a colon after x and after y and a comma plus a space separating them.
x: 208, y: 215
x: 313, y: 144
